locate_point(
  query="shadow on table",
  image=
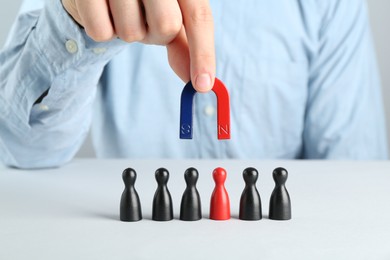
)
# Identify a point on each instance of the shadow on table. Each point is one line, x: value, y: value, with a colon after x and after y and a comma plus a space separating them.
x: 111, y: 216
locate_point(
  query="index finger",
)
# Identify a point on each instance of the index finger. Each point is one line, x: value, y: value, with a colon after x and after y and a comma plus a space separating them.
x: 199, y: 27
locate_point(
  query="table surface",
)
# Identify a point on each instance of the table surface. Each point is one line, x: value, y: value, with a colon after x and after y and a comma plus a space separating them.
x: 340, y: 210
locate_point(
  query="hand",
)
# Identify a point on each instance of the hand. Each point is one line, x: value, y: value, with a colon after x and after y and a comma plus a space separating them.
x: 185, y: 27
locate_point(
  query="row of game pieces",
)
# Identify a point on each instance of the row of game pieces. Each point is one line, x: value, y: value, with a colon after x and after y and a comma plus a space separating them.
x: 190, y: 209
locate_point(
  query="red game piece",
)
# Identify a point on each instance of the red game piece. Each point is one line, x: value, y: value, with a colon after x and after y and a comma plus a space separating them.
x: 219, y: 204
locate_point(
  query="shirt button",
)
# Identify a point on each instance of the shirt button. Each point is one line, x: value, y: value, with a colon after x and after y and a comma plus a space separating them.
x: 43, y: 107
x: 71, y: 46
x: 209, y: 110
x: 99, y: 50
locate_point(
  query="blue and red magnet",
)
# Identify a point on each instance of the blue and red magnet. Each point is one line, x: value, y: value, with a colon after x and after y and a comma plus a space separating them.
x: 223, y: 110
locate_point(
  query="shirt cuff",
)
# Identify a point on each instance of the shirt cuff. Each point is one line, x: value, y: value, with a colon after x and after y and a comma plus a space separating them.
x: 63, y: 43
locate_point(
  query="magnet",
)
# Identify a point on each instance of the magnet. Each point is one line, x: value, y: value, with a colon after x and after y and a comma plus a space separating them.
x: 223, y: 110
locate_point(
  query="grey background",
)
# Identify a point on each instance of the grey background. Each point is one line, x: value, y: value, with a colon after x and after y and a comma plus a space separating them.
x: 380, y: 21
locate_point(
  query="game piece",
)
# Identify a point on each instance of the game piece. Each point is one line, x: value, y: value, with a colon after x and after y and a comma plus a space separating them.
x: 190, y: 208
x: 223, y: 107
x: 162, y: 201
x: 130, y: 207
x: 280, y: 204
x: 250, y: 203
x: 219, y: 204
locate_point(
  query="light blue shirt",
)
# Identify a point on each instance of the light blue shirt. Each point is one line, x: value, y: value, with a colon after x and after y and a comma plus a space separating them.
x: 302, y: 78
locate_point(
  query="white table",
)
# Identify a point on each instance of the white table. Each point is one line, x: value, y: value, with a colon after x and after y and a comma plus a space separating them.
x: 340, y: 210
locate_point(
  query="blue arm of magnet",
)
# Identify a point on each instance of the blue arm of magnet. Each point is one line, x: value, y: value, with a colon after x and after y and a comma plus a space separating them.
x: 186, y: 107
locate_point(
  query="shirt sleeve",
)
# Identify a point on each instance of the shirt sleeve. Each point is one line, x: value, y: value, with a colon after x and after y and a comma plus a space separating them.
x: 345, y: 114
x: 49, y: 70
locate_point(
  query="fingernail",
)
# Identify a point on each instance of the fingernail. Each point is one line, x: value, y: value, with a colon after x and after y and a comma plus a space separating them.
x: 203, y: 82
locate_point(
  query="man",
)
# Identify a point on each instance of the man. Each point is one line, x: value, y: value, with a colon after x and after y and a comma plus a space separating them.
x: 302, y: 78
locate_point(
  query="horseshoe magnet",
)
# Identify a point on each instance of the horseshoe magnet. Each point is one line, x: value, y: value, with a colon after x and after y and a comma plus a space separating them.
x: 223, y: 110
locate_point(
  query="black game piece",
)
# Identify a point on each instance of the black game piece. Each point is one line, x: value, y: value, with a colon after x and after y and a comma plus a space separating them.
x: 250, y: 203
x: 280, y: 204
x: 162, y: 201
x: 130, y: 208
x: 190, y: 208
